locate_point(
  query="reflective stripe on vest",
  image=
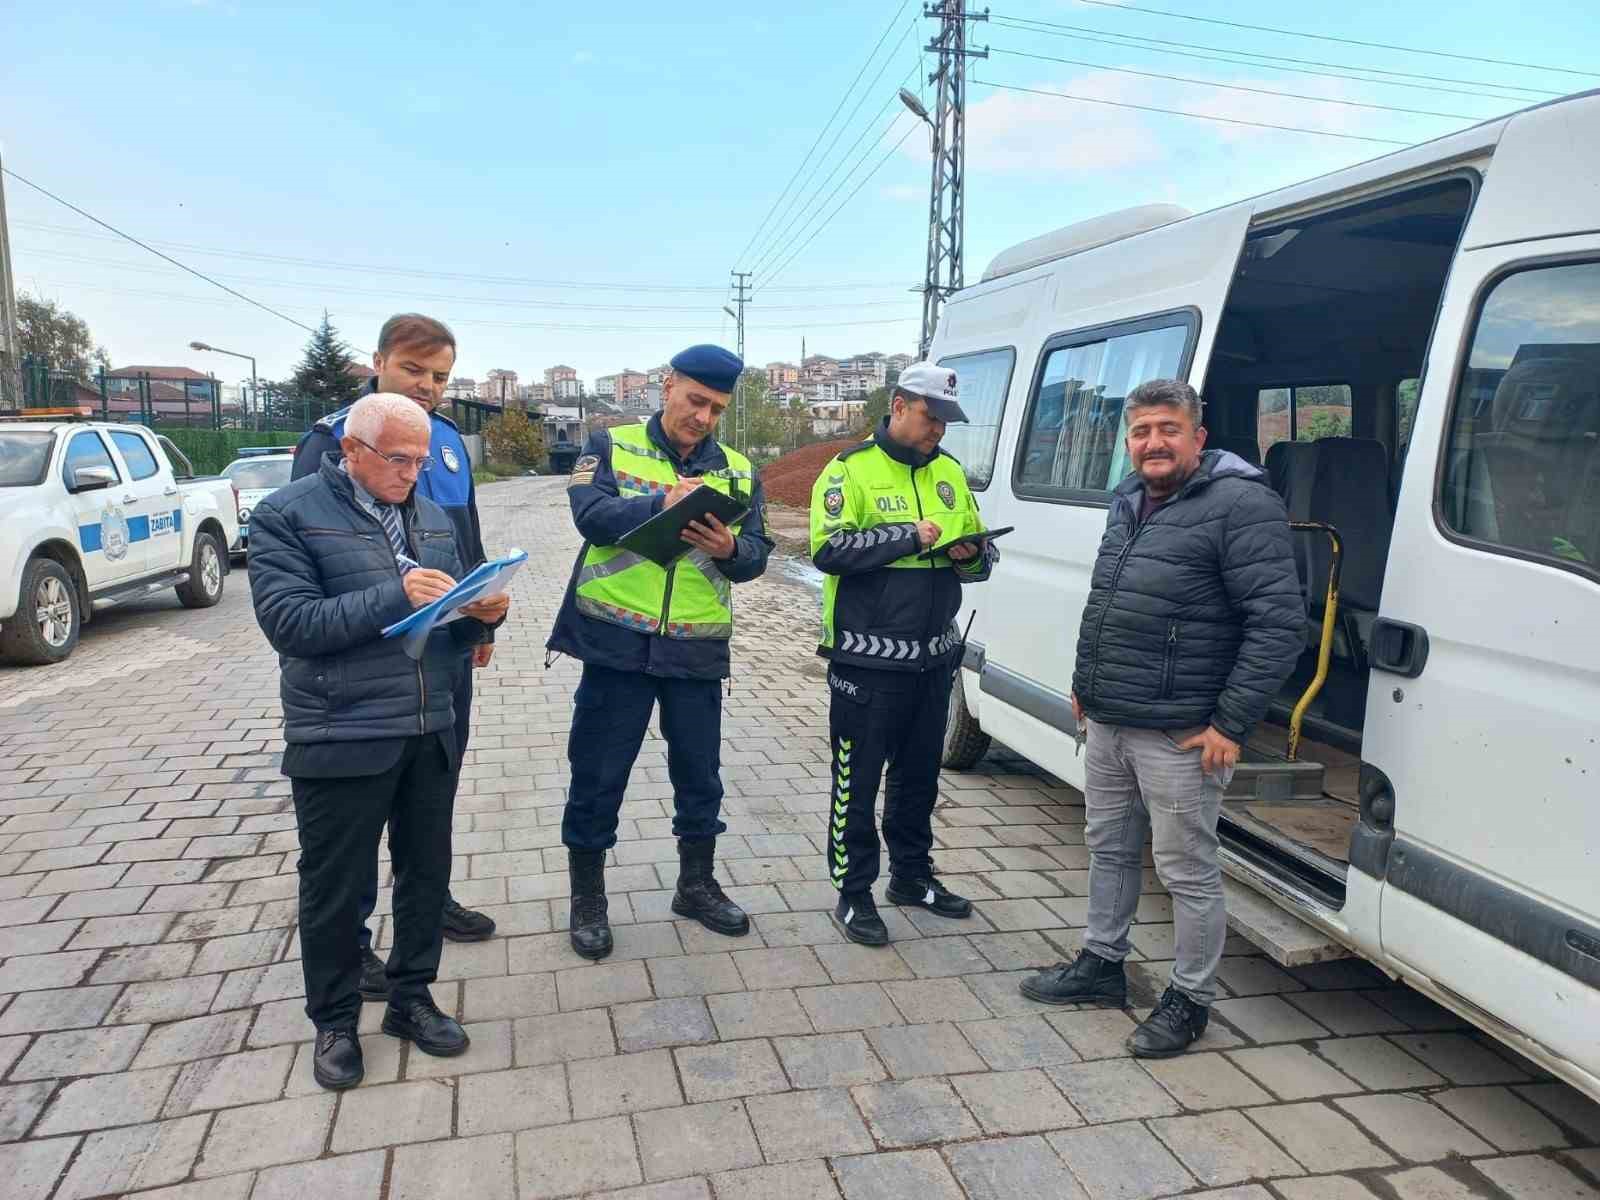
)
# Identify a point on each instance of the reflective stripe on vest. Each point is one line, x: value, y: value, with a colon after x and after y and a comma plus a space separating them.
x: 627, y: 589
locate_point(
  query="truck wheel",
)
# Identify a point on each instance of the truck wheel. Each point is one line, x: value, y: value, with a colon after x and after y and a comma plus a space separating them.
x: 964, y: 742
x: 46, y: 626
x: 204, y: 587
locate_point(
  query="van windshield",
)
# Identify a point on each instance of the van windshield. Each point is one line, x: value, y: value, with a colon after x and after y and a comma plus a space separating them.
x: 24, y: 457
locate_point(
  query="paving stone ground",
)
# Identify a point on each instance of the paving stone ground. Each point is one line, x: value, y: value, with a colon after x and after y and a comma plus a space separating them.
x: 152, y: 1040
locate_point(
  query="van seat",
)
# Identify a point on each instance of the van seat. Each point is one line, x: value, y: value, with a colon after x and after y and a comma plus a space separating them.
x: 1245, y: 447
x: 1350, y: 491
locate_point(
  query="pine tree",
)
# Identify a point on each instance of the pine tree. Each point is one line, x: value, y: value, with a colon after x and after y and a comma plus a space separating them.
x: 324, y: 373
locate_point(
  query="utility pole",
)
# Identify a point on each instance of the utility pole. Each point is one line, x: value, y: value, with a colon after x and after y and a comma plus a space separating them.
x: 741, y: 417
x: 10, y: 351
x: 946, y: 200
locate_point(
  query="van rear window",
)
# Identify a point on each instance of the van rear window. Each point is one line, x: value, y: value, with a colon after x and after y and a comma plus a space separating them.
x: 1073, y: 438
x: 1303, y: 413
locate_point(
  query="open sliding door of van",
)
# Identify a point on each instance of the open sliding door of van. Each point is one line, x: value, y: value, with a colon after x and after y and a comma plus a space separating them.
x: 1106, y: 320
x: 1480, y: 797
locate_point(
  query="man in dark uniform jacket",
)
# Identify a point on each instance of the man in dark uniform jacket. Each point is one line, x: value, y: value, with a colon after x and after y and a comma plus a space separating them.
x: 414, y: 358
x: 336, y: 558
x: 649, y: 635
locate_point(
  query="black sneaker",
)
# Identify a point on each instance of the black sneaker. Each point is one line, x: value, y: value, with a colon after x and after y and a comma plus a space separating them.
x: 1172, y: 1028
x: 336, y: 1064
x: 1089, y: 980
x: 927, y: 893
x: 374, y: 983
x: 858, y: 917
x: 465, y: 925
x: 422, y: 1024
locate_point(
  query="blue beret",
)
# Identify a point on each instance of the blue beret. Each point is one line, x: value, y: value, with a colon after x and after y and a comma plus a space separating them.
x: 713, y: 366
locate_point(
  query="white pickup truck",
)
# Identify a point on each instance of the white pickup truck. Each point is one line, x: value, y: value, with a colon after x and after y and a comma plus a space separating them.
x: 93, y: 514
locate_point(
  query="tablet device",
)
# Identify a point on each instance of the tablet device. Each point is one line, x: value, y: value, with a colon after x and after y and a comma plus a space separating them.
x: 660, y: 539
x: 972, y: 539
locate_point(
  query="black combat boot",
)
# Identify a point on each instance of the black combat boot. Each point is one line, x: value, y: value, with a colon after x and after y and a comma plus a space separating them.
x: 1089, y: 980
x: 590, y: 931
x: 1176, y: 1023
x: 699, y: 896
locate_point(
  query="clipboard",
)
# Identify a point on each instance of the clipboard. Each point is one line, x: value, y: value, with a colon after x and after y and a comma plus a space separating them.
x: 483, y: 581
x: 972, y: 539
x: 660, y: 539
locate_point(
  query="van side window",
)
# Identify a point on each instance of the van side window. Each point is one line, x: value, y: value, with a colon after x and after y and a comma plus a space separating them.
x: 1072, y: 440
x: 984, y: 378
x: 1303, y: 413
x: 1522, y: 462
x: 1406, y: 395
x: 136, y: 453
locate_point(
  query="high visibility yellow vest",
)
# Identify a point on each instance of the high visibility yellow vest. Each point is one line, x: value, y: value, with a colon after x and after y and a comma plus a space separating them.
x: 690, y: 599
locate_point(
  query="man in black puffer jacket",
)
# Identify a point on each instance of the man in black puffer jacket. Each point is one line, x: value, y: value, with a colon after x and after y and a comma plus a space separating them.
x: 335, y: 558
x: 1194, y: 621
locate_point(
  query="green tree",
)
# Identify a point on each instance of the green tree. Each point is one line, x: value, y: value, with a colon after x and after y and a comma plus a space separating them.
x: 324, y: 373
x: 59, y: 338
x: 514, y: 440
x: 1324, y: 423
x: 877, y: 409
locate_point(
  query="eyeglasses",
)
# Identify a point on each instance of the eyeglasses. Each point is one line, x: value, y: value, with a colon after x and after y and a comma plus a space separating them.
x: 400, y: 461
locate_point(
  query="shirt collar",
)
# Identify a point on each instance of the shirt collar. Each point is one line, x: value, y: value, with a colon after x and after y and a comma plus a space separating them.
x: 363, y: 497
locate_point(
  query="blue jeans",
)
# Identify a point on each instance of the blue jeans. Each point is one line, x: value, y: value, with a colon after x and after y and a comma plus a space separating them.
x: 1139, y: 785
x: 462, y: 702
x: 611, y: 713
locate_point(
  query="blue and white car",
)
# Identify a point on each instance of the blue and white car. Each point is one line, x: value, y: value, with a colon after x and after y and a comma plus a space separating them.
x: 255, y: 476
x: 95, y: 514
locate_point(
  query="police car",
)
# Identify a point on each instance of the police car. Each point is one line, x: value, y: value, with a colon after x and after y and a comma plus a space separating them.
x: 256, y: 474
x: 94, y: 514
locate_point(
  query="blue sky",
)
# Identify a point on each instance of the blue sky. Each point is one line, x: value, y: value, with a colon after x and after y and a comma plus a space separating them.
x: 572, y: 184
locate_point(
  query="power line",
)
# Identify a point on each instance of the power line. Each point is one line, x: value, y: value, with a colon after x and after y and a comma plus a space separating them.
x: 167, y: 257
x: 1236, y: 87
x: 864, y: 180
x: 1178, y: 112
x: 826, y: 200
x: 456, y: 276
x: 479, y: 322
x: 776, y: 200
x: 490, y: 301
x: 1304, y: 62
x: 809, y: 209
x: 1328, y: 37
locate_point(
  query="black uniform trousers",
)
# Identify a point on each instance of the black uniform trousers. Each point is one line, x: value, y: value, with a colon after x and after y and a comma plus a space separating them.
x: 461, y: 701
x: 878, y: 720
x: 611, y: 713
x: 340, y: 820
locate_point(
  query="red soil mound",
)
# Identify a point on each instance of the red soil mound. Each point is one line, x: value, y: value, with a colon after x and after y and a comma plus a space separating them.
x: 788, y: 480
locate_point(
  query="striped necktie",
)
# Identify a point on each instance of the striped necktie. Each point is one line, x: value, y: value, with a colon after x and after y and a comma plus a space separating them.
x: 389, y: 518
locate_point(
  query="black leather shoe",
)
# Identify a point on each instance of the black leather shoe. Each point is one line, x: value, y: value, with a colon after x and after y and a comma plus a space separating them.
x: 927, y: 893
x: 1174, y: 1026
x: 857, y: 915
x: 699, y: 896
x: 465, y: 925
x: 374, y: 983
x: 588, y: 926
x: 1089, y: 980
x: 422, y: 1024
x: 336, y: 1064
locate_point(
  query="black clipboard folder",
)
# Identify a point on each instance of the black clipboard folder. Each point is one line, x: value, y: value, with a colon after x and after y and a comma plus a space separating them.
x: 660, y: 539
x: 972, y: 539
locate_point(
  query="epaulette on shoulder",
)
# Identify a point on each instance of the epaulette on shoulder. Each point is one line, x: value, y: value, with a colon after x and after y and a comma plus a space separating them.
x: 856, y: 449
x: 439, y: 416
x: 329, y: 420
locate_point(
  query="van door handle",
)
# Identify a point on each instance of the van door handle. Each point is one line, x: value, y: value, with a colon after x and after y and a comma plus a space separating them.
x: 1398, y: 648
x: 171, y: 491
x: 130, y: 498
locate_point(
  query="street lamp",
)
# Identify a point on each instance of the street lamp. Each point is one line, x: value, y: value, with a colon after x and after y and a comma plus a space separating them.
x: 909, y: 99
x: 255, y: 395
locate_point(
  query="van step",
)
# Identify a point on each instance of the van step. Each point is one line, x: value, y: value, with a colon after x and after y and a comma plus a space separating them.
x: 1281, y: 935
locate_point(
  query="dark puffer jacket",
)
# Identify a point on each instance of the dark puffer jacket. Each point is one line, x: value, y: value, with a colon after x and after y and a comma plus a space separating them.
x: 1194, y: 617
x: 324, y: 583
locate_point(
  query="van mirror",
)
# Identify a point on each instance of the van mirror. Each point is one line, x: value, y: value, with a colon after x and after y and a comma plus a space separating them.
x: 89, y: 478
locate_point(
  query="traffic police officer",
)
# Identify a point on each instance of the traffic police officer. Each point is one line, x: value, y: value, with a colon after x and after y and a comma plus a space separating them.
x: 888, y: 629
x: 414, y: 358
x: 648, y: 634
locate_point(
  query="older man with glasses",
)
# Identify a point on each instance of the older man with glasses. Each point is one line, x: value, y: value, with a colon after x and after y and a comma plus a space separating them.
x: 336, y: 558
